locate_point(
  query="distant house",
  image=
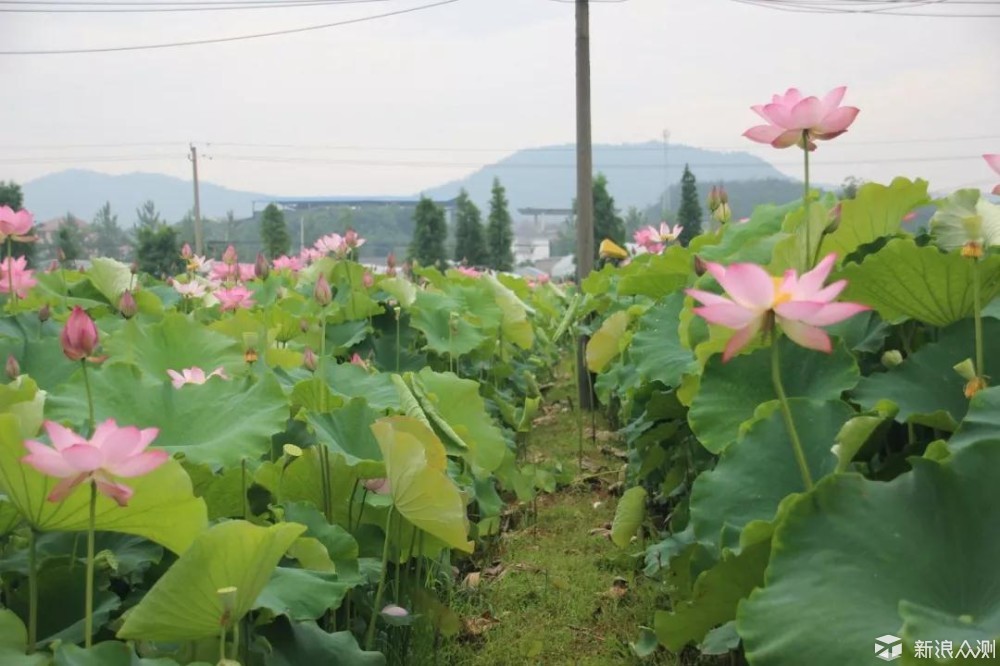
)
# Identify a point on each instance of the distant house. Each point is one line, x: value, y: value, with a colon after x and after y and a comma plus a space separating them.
x: 48, y: 231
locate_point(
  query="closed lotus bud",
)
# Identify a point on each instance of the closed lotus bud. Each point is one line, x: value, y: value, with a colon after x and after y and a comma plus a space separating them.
x: 79, y: 337
x: 134, y: 268
x: 368, y: 280
x: 892, y: 358
x: 186, y: 252
x: 392, y: 610
x: 699, y: 266
x: 834, y: 220
x: 13, y: 367
x: 261, y: 269
x: 713, y: 198
x: 390, y: 261
x: 44, y: 313
x: 723, y: 213
x: 127, y: 305
x: 723, y: 195
x: 309, y: 360
x: 229, y: 256
x: 322, y: 292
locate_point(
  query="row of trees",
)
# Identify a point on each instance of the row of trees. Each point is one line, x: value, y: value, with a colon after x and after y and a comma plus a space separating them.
x: 475, y: 245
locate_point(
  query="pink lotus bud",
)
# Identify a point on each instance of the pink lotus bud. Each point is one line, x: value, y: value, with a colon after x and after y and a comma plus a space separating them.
x: 79, y: 337
x: 127, y: 305
x: 368, y: 280
x: 699, y: 266
x: 322, y: 293
x: 713, y: 198
x: 186, y: 252
x: 229, y: 256
x: 309, y: 360
x: 723, y: 195
x: 378, y: 486
x: 358, y: 361
x: 44, y: 313
x: 261, y: 269
x: 134, y: 268
x: 392, y: 610
x: 13, y: 367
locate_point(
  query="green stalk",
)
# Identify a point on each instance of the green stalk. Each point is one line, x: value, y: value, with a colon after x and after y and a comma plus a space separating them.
x: 89, y: 617
x: 90, y: 396
x: 779, y: 388
x: 243, y: 487
x: 806, y: 199
x: 10, y: 275
x: 324, y: 461
x: 398, y: 316
x: 32, y: 590
x: 370, y: 637
x: 222, y: 643
x: 978, y: 310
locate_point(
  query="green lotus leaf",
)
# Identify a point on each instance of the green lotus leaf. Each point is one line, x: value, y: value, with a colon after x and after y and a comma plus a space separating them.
x: 302, y: 595
x: 108, y: 653
x: 455, y: 406
x: 163, y: 508
x: 982, y: 421
x: 629, y: 516
x: 347, y: 431
x: 22, y: 398
x: 759, y: 470
x: 218, y: 423
x: 337, y: 541
x: 301, y: 481
x: 905, y: 280
x: 422, y: 493
x: 656, y: 348
x: 966, y: 216
x: 925, y: 386
x: 440, y: 318
x: 750, y: 241
x: 876, y: 211
x: 404, y: 291
x: 606, y: 343
x: 656, y: 275
x: 185, y: 605
x: 914, y: 557
x: 730, y: 392
x: 110, y: 277
x: 350, y: 381
x: 14, y: 642
x: 175, y: 343
x: 301, y: 643
x: 514, y: 324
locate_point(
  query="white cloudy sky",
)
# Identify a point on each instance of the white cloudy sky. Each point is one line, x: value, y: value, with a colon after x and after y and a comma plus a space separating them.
x: 424, y: 97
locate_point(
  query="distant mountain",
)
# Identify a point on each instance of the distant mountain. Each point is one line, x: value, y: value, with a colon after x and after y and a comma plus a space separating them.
x: 545, y: 177
x: 83, y: 192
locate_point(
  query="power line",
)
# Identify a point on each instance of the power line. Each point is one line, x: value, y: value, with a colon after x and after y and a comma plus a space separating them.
x: 891, y: 7
x: 220, y: 40
x: 201, y: 7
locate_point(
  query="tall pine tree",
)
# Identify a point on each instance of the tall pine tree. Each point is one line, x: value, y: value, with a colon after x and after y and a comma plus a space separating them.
x: 607, y: 222
x: 470, y: 245
x: 109, y: 238
x: 69, y: 240
x: 429, y: 234
x: 499, y: 233
x: 689, y: 214
x: 274, y: 232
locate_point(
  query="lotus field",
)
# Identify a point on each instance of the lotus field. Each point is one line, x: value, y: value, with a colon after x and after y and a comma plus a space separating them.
x: 287, y: 462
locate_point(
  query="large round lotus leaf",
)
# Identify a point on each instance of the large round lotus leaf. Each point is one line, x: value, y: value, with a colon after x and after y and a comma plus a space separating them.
x: 982, y: 421
x: 109, y: 653
x: 440, y: 318
x: 14, y: 642
x: 175, y: 343
x: 36, y: 348
x: 876, y: 211
x: 184, y: 604
x: 347, y: 431
x: 905, y: 280
x: 421, y: 490
x: 656, y: 348
x: 515, y: 325
x: 218, y: 423
x: 656, y: 275
x: 301, y: 643
x: 730, y: 392
x: 301, y: 594
x: 350, y: 381
x: 757, y: 472
x: 857, y: 559
x: 606, y: 343
x: 163, y: 508
x: 925, y: 386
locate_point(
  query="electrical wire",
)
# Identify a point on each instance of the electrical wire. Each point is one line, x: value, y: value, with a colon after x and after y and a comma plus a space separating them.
x: 203, y: 7
x: 220, y: 40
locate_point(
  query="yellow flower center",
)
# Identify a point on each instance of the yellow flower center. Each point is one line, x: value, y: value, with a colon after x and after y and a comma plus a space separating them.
x: 779, y: 295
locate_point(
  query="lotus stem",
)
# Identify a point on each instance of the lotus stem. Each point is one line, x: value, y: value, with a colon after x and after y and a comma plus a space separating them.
x: 806, y: 200
x: 10, y: 275
x: 32, y: 590
x: 978, y: 310
x: 90, y: 396
x: 243, y: 488
x: 370, y: 637
x: 786, y: 411
x: 398, y: 341
x: 89, y: 601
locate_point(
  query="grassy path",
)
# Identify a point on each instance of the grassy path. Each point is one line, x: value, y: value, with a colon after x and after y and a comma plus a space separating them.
x: 555, y: 590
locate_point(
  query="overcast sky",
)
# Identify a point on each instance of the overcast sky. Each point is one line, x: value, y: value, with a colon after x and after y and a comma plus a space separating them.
x: 426, y: 96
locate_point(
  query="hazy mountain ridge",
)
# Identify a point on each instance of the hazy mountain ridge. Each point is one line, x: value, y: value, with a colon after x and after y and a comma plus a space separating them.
x: 539, y: 177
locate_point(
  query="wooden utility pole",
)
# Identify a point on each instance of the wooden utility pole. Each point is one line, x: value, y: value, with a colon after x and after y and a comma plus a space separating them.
x: 199, y: 240
x: 584, y: 185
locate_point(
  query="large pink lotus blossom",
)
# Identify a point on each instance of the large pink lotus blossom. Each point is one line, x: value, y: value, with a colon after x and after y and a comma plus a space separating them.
x: 234, y: 272
x: 194, y: 376
x: 799, y: 304
x: 193, y: 289
x: 994, y: 162
x: 15, y: 224
x: 293, y: 264
x: 235, y: 298
x: 79, y: 336
x: 16, y: 273
x: 790, y: 115
x: 112, y: 451
x: 331, y: 243
x: 352, y: 240
x: 310, y: 254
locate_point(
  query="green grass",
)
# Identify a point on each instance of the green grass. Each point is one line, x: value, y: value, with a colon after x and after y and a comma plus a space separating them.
x: 552, y: 604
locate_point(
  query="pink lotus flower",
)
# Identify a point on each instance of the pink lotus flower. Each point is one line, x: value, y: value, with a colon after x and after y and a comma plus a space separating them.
x: 790, y: 115
x: 352, y: 240
x: 230, y: 256
x: 378, y: 486
x: 79, y: 336
x: 191, y: 289
x: 310, y: 254
x: 358, y: 361
x: 392, y: 610
x: 653, y: 240
x: 15, y: 225
x: 112, y: 451
x: 468, y: 271
x: 322, y: 291
x: 994, y: 162
x: 194, y: 376
x: 293, y: 264
x: 799, y: 304
x: 16, y: 272
x: 186, y: 252
x: 235, y: 298
x: 368, y: 280
x: 331, y: 243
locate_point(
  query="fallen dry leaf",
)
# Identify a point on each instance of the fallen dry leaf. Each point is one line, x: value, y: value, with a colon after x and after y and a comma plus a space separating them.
x: 471, y: 580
